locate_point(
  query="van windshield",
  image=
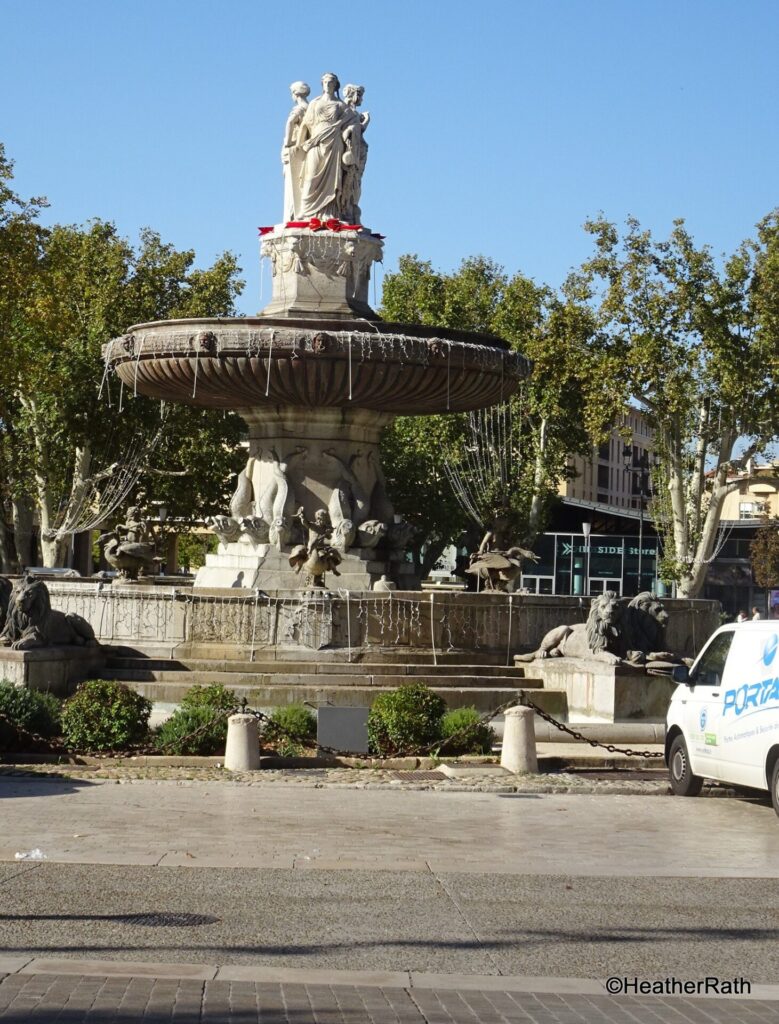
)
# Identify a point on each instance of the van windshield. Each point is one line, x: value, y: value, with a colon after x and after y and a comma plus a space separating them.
x: 711, y: 667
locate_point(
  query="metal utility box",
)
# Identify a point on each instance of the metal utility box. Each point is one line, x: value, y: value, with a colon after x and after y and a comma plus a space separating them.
x: 342, y: 728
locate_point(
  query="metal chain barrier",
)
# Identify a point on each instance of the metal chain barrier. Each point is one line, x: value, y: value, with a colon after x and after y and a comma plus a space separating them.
x: 132, y: 751
x: 628, y: 751
x: 521, y: 699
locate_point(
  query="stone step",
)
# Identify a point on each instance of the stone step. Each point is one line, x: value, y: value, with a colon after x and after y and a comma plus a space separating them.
x: 317, y: 680
x: 321, y: 668
x: 395, y: 655
x: 263, y: 695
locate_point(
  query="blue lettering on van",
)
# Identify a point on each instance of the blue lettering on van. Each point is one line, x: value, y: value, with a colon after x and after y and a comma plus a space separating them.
x: 769, y: 651
x: 751, y: 695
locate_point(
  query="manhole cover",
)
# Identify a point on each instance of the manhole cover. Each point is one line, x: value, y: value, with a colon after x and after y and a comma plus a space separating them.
x: 419, y: 776
x: 166, y: 920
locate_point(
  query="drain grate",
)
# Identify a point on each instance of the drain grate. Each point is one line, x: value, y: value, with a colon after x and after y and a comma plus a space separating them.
x: 420, y: 776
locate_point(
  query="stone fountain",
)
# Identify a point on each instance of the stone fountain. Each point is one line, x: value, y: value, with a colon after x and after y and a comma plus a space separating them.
x: 316, y: 376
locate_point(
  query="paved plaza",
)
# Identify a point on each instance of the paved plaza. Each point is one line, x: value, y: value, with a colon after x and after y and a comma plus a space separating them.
x: 190, y: 901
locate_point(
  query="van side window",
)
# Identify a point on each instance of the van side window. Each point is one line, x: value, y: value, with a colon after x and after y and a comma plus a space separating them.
x: 710, y: 669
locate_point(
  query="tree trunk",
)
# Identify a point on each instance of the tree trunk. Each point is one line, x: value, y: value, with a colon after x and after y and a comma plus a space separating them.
x: 26, y: 551
x: 5, y: 553
x: 539, y: 476
x: 58, y: 545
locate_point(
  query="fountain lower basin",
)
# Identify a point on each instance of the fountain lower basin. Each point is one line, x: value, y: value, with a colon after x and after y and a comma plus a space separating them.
x: 261, y: 362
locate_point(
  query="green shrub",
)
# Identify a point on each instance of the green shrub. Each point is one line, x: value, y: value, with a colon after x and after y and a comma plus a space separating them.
x: 209, y: 724
x: 104, y: 715
x: 289, y: 728
x: 405, y: 720
x: 32, y: 711
x: 214, y: 696
x: 469, y: 735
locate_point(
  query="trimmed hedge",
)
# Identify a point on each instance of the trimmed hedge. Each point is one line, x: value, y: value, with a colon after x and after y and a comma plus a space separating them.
x: 200, y: 706
x: 405, y: 720
x: 291, y: 726
x: 32, y: 711
x: 463, y: 732
x: 105, y: 715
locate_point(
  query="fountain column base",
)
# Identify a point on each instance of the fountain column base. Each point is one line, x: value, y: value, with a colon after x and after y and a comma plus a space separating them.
x: 235, y: 566
x: 317, y: 460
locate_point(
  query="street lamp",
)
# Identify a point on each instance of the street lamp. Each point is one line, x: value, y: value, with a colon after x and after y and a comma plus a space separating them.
x: 586, y: 529
x: 641, y: 470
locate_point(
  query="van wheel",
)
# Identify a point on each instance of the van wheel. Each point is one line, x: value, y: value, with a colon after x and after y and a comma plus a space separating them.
x: 683, y: 782
x: 775, y: 786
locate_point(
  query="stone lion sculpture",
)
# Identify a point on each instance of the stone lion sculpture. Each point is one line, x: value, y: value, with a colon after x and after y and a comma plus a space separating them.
x: 616, y: 630
x: 643, y: 627
x: 5, y: 597
x: 32, y: 622
x: 597, y: 639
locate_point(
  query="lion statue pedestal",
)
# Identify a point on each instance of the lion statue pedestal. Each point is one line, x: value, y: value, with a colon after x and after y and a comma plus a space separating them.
x: 613, y: 667
x: 40, y: 647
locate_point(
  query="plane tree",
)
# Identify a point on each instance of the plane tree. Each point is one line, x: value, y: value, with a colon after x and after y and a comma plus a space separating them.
x: 560, y: 409
x: 65, y: 431
x: 695, y: 341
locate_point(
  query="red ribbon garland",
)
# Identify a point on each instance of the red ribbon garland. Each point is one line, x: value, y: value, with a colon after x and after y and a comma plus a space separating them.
x: 315, y: 224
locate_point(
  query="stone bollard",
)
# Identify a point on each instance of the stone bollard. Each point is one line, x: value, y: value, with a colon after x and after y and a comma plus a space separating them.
x: 519, y: 741
x: 242, y: 751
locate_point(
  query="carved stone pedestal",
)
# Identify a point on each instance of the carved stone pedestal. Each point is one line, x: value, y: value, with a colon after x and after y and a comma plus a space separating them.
x: 56, y: 670
x: 314, y: 459
x: 320, y: 274
x: 602, y: 692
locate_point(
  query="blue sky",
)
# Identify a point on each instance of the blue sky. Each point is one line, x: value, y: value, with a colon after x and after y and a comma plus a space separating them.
x: 497, y: 128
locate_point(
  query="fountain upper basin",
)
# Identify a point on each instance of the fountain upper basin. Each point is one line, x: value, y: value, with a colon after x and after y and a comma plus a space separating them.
x: 239, y: 363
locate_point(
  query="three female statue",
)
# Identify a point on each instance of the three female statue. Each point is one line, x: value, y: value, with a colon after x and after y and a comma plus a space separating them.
x: 324, y: 153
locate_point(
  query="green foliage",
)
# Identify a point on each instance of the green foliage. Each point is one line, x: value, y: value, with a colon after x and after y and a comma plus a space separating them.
x: 64, y: 292
x: 215, y: 696
x: 405, y: 720
x: 290, y: 729
x: 208, y: 723
x: 193, y: 548
x: 695, y: 341
x: 764, y: 553
x: 463, y: 732
x: 204, y: 711
x: 562, y: 408
x: 104, y: 715
x: 32, y: 711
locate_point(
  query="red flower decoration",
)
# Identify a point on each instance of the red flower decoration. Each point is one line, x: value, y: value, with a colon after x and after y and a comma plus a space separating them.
x: 331, y: 224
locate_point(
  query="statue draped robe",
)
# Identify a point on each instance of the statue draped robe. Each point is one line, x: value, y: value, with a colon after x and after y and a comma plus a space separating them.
x: 321, y: 182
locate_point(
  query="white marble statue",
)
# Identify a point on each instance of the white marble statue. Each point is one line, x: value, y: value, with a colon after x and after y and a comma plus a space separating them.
x: 355, y: 156
x: 322, y: 138
x: 292, y: 157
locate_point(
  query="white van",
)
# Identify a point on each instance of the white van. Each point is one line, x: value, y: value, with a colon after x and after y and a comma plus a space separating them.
x: 723, y: 720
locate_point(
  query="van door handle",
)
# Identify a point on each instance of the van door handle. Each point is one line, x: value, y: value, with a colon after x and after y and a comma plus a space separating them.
x: 715, y: 693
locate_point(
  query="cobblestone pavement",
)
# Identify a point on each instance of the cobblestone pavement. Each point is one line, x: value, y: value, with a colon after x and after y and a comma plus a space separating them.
x: 73, y: 999
x: 483, y: 780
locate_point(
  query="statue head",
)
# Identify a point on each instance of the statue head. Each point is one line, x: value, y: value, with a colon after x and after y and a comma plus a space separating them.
x: 353, y: 95
x: 321, y: 518
x: 330, y: 84
x: 300, y: 89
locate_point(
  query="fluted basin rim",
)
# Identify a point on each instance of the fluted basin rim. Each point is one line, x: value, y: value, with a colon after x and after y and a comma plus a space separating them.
x: 240, y: 363
x: 380, y: 327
